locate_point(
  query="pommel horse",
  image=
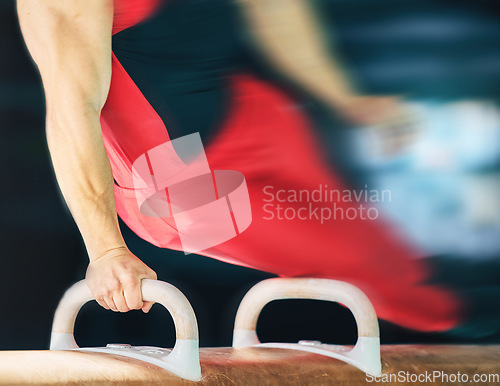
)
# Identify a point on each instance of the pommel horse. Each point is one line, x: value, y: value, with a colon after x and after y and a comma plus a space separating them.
x: 248, y: 361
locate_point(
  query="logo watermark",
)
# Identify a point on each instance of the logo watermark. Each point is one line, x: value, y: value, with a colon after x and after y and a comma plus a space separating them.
x: 323, y: 203
x: 173, y: 182
x: 434, y: 376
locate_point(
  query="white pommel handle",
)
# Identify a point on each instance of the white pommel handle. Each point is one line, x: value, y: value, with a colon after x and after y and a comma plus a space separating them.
x: 185, y: 353
x: 366, y: 352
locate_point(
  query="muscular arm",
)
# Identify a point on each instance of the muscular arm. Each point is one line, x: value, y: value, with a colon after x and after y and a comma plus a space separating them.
x: 70, y: 41
x: 288, y: 35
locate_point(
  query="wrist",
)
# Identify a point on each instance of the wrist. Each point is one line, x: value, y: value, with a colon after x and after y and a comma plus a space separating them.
x: 103, y: 240
x: 333, y: 87
x: 342, y: 99
x: 116, y: 250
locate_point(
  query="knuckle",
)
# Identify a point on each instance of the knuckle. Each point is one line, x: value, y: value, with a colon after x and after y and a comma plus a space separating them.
x: 135, y: 304
x: 123, y: 308
x: 134, y: 299
x: 130, y: 279
x: 114, y: 285
x: 101, y: 303
x: 110, y: 287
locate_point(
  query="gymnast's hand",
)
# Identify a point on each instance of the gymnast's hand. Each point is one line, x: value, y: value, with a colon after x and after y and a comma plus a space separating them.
x: 392, y: 121
x: 370, y: 110
x: 115, y: 280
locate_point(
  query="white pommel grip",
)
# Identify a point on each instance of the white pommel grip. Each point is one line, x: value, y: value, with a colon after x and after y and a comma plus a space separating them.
x: 184, y: 357
x: 364, y: 355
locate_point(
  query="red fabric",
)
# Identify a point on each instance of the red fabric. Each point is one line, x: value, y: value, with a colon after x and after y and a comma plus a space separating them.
x: 130, y: 12
x: 272, y: 145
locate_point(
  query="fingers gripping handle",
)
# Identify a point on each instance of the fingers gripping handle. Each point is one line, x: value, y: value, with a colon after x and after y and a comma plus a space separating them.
x: 366, y: 352
x: 152, y: 290
x: 185, y: 353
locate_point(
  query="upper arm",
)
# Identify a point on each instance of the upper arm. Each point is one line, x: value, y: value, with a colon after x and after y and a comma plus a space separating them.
x: 287, y: 31
x: 70, y: 42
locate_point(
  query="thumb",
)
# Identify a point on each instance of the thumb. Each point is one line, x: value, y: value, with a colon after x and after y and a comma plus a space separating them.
x: 147, y: 306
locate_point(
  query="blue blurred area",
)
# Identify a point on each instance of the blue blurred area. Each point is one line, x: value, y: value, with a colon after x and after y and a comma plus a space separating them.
x: 444, y: 57
x: 445, y: 185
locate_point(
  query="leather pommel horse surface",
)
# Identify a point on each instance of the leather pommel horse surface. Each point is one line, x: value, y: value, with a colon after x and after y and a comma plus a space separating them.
x: 243, y: 366
x: 248, y: 362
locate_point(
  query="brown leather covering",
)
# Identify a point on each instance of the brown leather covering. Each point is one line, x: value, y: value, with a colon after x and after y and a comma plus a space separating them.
x: 245, y: 366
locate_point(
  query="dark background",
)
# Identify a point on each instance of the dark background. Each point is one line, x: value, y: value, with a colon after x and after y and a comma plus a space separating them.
x: 42, y: 253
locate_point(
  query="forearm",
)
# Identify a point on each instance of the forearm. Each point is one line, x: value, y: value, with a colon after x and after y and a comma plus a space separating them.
x: 287, y: 32
x: 84, y: 176
x: 70, y: 42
